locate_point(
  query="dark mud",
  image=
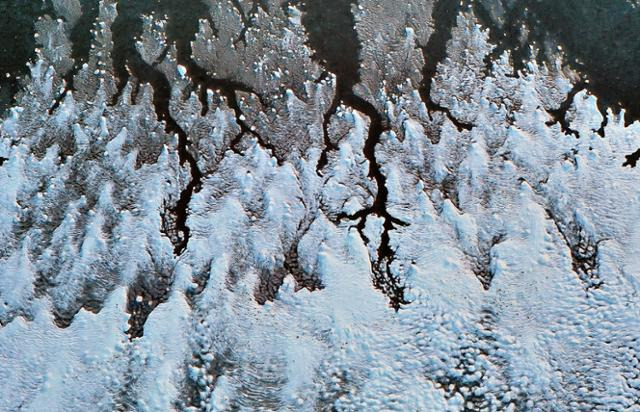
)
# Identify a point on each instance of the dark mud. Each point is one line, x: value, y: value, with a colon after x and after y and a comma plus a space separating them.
x: 270, y: 281
x: 583, y: 249
x: 146, y: 293
x: 17, y: 48
x: 182, y: 24
x: 444, y: 15
x: 598, y: 38
x: 80, y: 42
x: 80, y: 46
x: 330, y: 29
x: 632, y: 159
x: 330, y: 26
x: 127, y: 61
x: 559, y: 115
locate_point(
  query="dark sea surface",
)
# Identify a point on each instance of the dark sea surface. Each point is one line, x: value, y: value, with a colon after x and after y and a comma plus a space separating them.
x: 600, y: 39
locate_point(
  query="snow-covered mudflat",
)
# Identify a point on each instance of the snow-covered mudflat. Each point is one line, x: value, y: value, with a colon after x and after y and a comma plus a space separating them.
x: 242, y: 239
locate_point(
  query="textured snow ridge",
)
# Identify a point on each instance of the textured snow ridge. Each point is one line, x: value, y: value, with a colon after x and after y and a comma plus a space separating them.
x: 197, y: 254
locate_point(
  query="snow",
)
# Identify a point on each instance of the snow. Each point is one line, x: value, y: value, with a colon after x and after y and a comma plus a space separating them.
x: 517, y: 252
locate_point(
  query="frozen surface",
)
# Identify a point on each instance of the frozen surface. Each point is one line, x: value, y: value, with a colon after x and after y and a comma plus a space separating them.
x: 514, y: 243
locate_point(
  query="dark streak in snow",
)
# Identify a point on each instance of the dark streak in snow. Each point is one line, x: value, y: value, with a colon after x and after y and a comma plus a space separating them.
x: 583, y: 250
x: 182, y: 26
x: 18, y: 44
x: 149, y: 290
x: 127, y: 26
x: 81, y: 39
x: 598, y: 39
x: 632, y: 159
x: 559, y: 115
x: 444, y: 17
x: 330, y: 27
